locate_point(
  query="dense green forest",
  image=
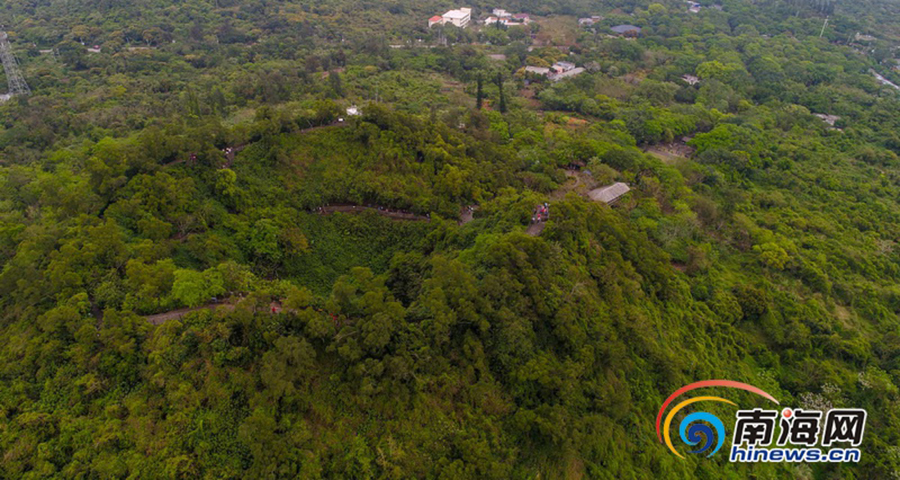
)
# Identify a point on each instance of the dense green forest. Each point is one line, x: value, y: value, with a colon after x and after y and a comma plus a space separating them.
x: 177, y: 302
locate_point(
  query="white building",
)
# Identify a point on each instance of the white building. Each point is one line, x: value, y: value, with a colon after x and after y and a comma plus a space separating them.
x: 560, y: 67
x: 501, y: 13
x: 588, y: 21
x: 829, y: 119
x: 555, y: 77
x: 459, y: 17
x: 537, y: 70
x: 690, y: 79
x: 507, y: 21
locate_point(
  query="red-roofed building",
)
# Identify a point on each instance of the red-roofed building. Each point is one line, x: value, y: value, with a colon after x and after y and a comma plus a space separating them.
x: 435, y: 20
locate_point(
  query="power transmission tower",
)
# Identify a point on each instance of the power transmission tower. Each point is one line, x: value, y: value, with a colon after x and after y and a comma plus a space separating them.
x: 17, y: 85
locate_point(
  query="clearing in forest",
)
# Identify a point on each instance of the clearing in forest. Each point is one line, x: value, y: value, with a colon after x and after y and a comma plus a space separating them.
x: 669, y: 153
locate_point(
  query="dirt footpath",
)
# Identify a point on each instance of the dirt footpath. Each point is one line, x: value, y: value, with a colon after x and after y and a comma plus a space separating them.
x: 160, y: 318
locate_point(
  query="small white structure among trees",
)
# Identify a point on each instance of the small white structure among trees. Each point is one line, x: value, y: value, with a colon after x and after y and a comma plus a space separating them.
x: 609, y: 194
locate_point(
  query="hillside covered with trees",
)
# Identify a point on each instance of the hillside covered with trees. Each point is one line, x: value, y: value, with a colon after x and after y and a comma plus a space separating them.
x: 236, y: 238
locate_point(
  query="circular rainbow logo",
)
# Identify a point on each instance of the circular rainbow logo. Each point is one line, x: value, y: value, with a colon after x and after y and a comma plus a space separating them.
x: 700, y: 427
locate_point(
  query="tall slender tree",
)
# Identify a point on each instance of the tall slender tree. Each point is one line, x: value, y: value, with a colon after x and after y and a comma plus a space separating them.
x: 502, y: 95
x: 334, y: 79
x: 479, y: 93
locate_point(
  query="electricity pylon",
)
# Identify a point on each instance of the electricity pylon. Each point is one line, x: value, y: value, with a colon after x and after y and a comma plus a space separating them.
x: 17, y: 85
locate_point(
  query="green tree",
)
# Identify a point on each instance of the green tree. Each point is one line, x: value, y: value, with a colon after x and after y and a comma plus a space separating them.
x: 193, y: 288
x: 263, y: 241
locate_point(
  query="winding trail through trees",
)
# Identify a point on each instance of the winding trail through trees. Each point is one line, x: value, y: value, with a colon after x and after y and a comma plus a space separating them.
x: 393, y: 214
x: 535, y: 229
x: 670, y: 153
x: 160, y: 318
x: 230, y: 152
x: 467, y: 214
